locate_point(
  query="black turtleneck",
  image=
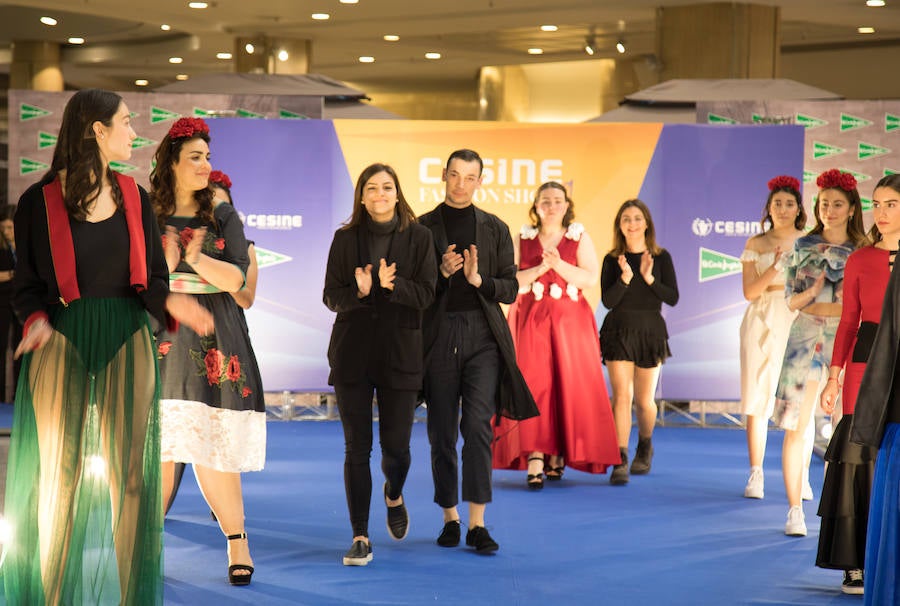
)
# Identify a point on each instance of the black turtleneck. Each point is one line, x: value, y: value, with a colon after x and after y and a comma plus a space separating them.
x: 380, y: 235
x: 459, y: 223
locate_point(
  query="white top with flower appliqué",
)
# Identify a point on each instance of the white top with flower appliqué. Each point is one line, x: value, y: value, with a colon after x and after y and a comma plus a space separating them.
x: 573, y: 232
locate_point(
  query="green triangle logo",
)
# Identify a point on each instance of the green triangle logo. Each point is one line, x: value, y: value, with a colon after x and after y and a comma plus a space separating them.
x: 717, y: 119
x: 860, y: 177
x: 757, y: 119
x: 891, y: 122
x: 46, y: 140
x: 865, y: 204
x: 889, y: 171
x: 122, y: 167
x: 199, y: 112
x: 867, y: 150
x: 268, y: 258
x: 30, y: 112
x: 810, y: 122
x: 286, y: 115
x: 158, y: 114
x: 140, y: 142
x: 715, y: 265
x: 809, y: 176
x: 246, y: 113
x: 27, y: 165
x: 823, y: 150
x: 849, y: 122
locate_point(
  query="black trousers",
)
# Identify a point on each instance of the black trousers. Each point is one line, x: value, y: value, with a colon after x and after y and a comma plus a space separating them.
x: 395, y: 420
x: 462, y: 374
x: 10, y: 335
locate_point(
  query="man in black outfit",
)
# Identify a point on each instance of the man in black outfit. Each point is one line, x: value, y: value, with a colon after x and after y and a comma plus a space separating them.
x: 470, y: 361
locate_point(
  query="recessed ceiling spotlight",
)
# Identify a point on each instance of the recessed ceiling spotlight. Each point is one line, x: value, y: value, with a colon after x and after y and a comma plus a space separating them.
x: 165, y: 27
x: 181, y: 77
x: 590, y: 45
x: 141, y: 82
x: 320, y: 16
x: 349, y: 1
x: 48, y: 21
x: 866, y: 30
x: 391, y: 37
x: 874, y: 3
x: 620, y: 46
x: 365, y: 59
x: 198, y: 4
x: 432, y: 55
x: 175, y: 60
x: 549, y: 28
x: 223, y: 55
x: 249, y: 48
x: 283, y: 55
x: 75, y: 40
x: 535, y: 51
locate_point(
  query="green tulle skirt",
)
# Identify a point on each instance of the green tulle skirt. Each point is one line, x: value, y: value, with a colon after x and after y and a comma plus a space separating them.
x: 83, y: 488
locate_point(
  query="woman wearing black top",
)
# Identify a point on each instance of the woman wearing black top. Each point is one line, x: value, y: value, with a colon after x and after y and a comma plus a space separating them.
x: 379, y: 279
x: 10, y: 329
x: 636, y: 279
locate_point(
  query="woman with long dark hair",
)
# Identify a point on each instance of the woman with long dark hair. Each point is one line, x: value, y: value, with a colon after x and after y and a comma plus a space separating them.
x: 379, y: 279
x: 10, y: 328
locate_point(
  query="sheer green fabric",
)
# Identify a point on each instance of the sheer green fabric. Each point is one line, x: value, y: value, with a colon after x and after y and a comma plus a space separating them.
x: 83, y: 488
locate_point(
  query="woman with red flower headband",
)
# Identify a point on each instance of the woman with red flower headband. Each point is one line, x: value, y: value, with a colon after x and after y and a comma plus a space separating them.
x: 83, y: 492
x: 814, y: 277
x: 767, y: 320
x: 213, y: 413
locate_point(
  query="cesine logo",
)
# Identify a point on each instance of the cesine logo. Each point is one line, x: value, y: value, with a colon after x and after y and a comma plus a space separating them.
x: 278, y: 222
x: 701, y: 227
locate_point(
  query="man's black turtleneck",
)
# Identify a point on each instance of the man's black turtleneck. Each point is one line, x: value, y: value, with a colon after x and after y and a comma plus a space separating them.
x: 459, y: 223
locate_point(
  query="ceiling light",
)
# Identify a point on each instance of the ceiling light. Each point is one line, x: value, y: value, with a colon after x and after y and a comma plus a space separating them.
x: 181, y: 77
x: 223, y: 55
x: 320, y: 16
x: 249, y: 48
x: 283, y: 55
x: 535, y: 51
x: 549, y: 28
x: 349, y: 1
x: 620, y: 46
x: 432, y: 55
x: 391, y: 37
x: 367, y: 59
x: 165, y: 27
x: 198, y: 4
x: 866, y: 30
x: 76, y: 40
x: 874, y: 3
x: 48, y: 20
x: 175, y: 59
x: 141, y: 82
x: 590, y: 45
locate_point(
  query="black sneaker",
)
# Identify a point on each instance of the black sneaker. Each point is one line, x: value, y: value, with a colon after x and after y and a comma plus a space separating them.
x: 360, y: 554
x: 449, y: 536
x: 397, y: 518
x: 853, y: 582
x: 481, y: 540
x: 619, y: 475
x: 642, y: 457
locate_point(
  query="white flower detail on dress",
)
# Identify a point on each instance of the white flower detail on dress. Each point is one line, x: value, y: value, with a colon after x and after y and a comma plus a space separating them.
x: 555, y: 291
x: 572, y: 291
x: 538, y: 289
x: 574, y: 231
x: 528, y: 232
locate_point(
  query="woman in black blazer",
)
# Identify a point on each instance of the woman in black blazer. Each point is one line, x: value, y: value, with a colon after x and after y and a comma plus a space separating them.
x: 380, y: 277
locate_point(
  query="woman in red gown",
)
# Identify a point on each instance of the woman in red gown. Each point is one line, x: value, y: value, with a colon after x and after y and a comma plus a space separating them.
x: 554, y: 331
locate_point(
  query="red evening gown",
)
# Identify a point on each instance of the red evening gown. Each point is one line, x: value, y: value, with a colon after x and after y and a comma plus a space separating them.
x: 558, y: 351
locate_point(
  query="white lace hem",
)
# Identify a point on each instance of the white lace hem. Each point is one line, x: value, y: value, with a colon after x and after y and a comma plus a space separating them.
x: 225, y: 440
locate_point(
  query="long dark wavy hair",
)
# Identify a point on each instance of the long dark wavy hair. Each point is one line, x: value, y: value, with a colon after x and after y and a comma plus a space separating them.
x: 856, y: 232
x: 799, y: 221
x: 889, y: 181
x: 570, y: 212
x: 77, y: 153
x: 162, y: 181
x: 649, y: 236
x: 405, y: 213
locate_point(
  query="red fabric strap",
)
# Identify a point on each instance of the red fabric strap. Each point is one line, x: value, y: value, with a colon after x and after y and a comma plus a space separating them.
x: 137, y: 258
x: 62, y: 249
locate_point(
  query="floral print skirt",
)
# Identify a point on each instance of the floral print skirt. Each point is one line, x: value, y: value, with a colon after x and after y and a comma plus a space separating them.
x: 212, y: 407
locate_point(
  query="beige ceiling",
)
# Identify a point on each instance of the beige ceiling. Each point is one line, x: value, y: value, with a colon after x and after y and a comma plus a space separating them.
x: 124, y: 40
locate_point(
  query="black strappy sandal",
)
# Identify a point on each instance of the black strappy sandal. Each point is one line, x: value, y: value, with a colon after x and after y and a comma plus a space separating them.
x: 535, y: 481
x: 239, y: 579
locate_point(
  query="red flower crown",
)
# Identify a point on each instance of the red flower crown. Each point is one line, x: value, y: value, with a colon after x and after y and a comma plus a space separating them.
x: 220, y: 178
x: 185, y: 128
x: 784, y: 182
x: 835, y: 179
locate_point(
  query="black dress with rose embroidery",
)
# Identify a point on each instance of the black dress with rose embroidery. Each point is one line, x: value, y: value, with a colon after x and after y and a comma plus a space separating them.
x: 213, y: 412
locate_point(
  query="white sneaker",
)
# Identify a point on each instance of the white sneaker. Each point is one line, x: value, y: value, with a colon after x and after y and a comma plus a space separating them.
x: 796, y: 522
x: 807, y: 493
x: 754, y: 489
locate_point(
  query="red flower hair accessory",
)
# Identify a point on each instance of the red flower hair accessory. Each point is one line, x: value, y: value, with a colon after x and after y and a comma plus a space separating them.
x: 784, y: 182
x: 220, y: 178
x: 835, y: 179
x: 185, y: 128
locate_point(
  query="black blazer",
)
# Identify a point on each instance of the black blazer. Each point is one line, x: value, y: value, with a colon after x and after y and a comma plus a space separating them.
x: 379, y: 338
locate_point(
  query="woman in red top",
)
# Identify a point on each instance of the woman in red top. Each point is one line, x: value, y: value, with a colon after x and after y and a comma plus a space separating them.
x: 844, y: 505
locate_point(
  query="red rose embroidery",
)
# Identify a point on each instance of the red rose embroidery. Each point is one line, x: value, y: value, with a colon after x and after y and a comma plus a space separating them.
x: 220, y: 243
x: 213, y: 361
x: 233, y: 372
x: 164, y: 347
x: 187, y: 234
x: 246, y: 392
